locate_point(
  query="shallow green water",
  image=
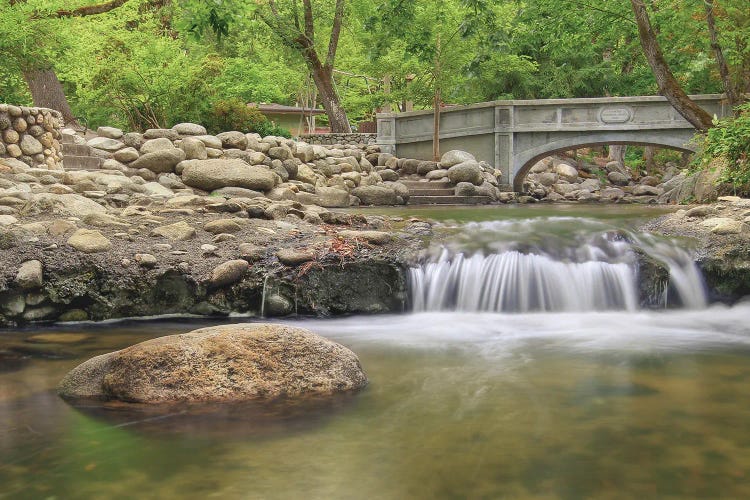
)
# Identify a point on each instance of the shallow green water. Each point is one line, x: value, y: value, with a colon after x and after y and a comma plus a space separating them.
x: 602, y: 405
x: 606, y: 212
x: 615, y: 405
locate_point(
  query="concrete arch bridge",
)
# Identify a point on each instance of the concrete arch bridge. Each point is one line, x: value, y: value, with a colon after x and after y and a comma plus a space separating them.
x: 513, y: 135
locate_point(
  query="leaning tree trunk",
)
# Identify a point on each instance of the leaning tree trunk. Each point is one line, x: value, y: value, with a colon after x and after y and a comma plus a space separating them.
x: 323, y: 79
x: 47, y: 92
x: 668, y: 84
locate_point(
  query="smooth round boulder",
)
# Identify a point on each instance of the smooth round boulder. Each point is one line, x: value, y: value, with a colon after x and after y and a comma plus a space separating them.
x: 468, y: 171
x: 189, y: 129
x: 454, y: 157
x: 214, y: 174
x: 219, y: 364
x: 375, y: 195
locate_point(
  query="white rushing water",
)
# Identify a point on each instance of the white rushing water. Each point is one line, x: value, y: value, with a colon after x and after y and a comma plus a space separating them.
x: 587, y: 267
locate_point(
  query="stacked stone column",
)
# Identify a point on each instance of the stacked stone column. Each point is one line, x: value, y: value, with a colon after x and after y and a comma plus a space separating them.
x: 31, y: 135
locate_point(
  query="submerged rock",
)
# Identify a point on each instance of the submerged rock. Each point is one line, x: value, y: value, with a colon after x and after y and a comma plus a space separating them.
x: 224, y: 363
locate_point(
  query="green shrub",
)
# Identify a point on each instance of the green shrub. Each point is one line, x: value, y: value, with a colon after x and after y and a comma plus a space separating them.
x: 730, y: 141
x: 233, y: 114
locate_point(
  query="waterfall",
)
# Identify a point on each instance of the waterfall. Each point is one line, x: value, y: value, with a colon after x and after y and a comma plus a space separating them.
x: 597, y: 274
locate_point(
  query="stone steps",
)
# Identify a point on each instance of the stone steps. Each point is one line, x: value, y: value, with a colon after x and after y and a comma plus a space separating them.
x: 74, y: 162
x: 79, y: 157
x: 422, y: 192
x: 449, y: 200
x: 431, y: 192
x: 76, y: 149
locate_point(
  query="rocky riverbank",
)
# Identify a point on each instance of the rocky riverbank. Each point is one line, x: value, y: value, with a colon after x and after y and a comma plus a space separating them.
x: 721, y: 231
x: 70, y: 258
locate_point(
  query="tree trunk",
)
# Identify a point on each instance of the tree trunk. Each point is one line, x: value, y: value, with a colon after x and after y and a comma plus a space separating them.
x: 436, y: 126
x: 648, y: 157
x: 323, y: 79
x: 47, y: 92
x: 729, y: 87
x: 668, y: 84
x: 617, y: 153
x: 436, y: 104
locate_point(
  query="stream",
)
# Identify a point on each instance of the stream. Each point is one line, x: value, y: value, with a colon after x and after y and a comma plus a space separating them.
x: 529, y: 367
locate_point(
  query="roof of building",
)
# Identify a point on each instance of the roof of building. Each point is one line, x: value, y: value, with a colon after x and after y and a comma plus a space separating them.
x: 283, y: 109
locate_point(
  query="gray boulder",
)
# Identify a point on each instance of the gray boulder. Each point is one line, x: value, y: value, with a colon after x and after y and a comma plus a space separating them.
x: 454, y: 157
x: 109, y: 132
x: 214, y: 174
x: 194, y: 149
x: 467, y: 171
x: 106, y: 144
x: 375, y: 195
x: 189, y: 129
x: 154, y: 145
x: 233, y: 140
x: 223, y: 363
x: 157, y: 133
x: 161, y: 161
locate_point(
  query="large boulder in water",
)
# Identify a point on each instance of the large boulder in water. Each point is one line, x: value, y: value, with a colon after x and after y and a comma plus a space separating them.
x: 223, y: 363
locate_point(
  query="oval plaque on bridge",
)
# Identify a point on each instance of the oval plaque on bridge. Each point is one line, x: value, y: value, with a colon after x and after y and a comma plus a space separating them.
x: 615, y: 115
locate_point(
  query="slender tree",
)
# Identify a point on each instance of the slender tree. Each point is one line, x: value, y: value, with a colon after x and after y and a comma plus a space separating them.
x: 298, y: 31
x: 729, y: 87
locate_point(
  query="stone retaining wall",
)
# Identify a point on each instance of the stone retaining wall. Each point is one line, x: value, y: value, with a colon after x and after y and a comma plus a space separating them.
x: 341, y: 139
x: 31, y: 135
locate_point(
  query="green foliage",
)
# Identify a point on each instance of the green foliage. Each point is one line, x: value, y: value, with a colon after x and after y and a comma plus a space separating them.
x: 235, y: 114
x: 729, y: 140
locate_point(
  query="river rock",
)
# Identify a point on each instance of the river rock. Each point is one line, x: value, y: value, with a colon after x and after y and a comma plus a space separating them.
x: 65, y: 205
x: 126, y: 155
x: 566, y: 172
x: 157, y: 133
x: 374, y: 237
x: 179, y: 231
x: 223, y: 363
x: 189, y: 129
x: 160, y: 162
x: 109, y: 132
x: 467, y: 171
x: 30, y: 275
x: 222, y: 226
x: 228, y: 273
x: 154, y: 145
x: 106, y: 144
x: 294, y: 257
x: 233, y: 140
x: 89, y: 241
x: 618, y: 178
x: 213, y: 174
x: 31, y: 146
x: 454, y: 157
x: 375, y: 195
x: 194, y: 149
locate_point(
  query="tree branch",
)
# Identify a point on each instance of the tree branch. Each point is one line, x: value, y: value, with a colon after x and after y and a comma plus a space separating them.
x: 309, y: 26
x: 603, y: 11
x: 90, y: 10
x: 335, y: 33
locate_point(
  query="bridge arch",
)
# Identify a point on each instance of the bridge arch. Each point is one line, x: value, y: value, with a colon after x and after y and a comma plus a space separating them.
x: 524, y: 160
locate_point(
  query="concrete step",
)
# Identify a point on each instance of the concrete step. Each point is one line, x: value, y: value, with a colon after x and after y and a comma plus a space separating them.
x: 76, y: 149
x: 73, y: 162
x: 431, y: 192
x: 426, y: 184
x: 449, y: 200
